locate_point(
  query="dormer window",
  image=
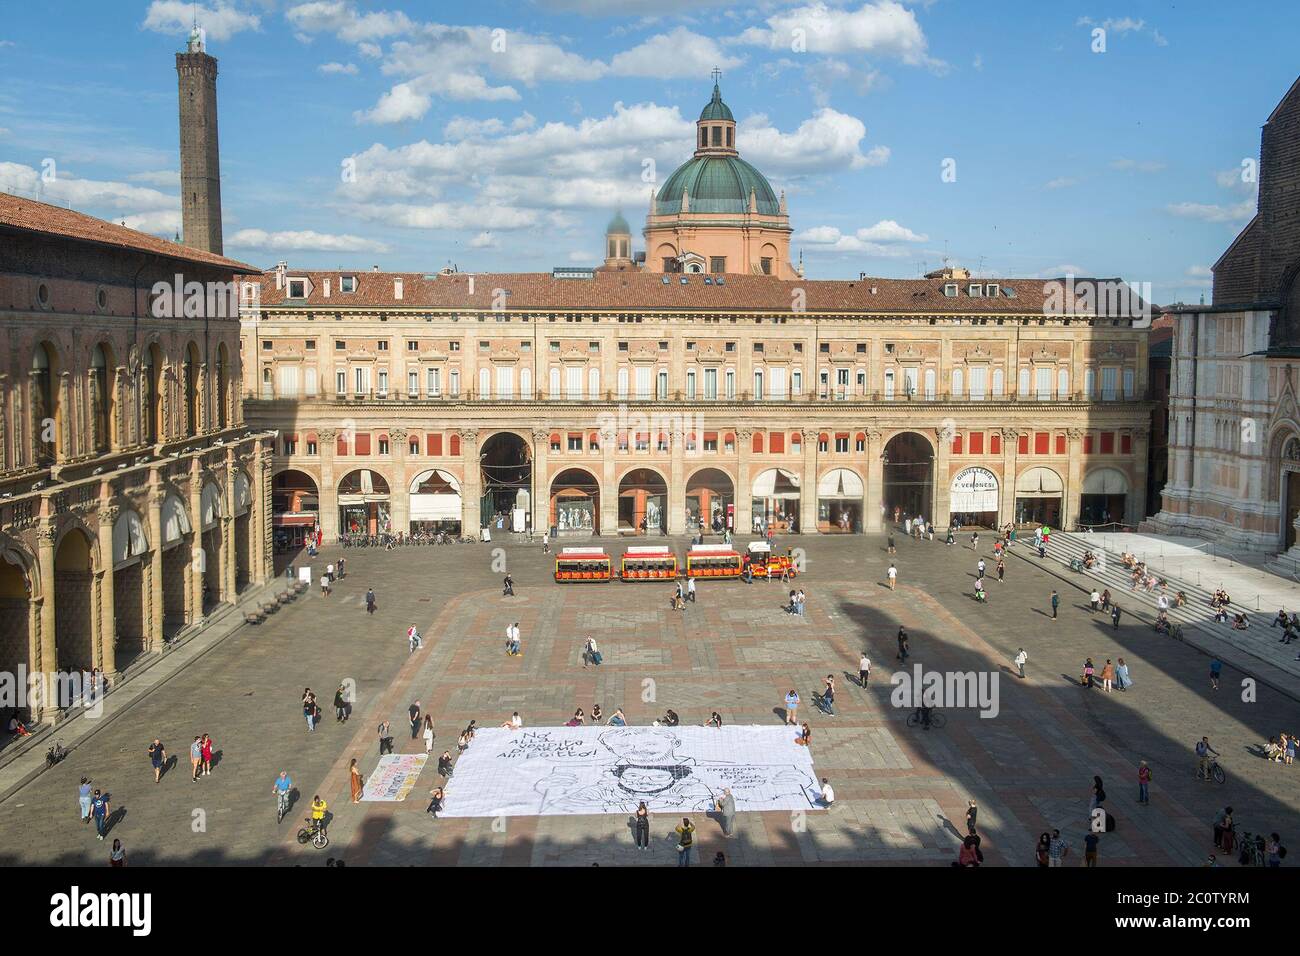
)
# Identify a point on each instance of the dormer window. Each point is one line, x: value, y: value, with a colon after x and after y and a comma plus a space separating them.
x: 992, y: 290
x: 975, y: 290
x: 297, y: 289
x: 950, y: 290
x: 347, y: 283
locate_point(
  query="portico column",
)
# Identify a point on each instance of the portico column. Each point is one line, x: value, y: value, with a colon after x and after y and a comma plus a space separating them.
x: 471, y: 492
x: 198, y: 554
x: 677, y: 482
x: 229, y: 560
x: 1135, y: 503
x: 875, y: 493
x: 941, y: 503
x: 154, y: 599
x: 106, y: 645
x: 541, y: 503
x: 327, y: 502
x: 608, y: 483
x: 744, y: 520
x: 808, y: 483
x: 1074, y: 483
x: 1007, y: 491
x: 49, y: 657
x: 399, y: 500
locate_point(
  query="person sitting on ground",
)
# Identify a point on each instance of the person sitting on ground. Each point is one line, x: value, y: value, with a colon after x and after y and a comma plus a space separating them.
x: 669, y: 719
x: 805, y: 736
x: 1221, y: 615
x: 617, y: 719
x: 1180, y: 599
x: 1162, y: 623
x: 17, y: 728
x: 715, y: 720
x: 1273, y: 750
x: 1281, y: 620
x: 444, y: 764
x: 1240, y: 622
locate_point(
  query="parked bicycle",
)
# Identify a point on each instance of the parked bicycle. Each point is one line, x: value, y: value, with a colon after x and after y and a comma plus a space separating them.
x: 313, y: 833
x: 927, y: 717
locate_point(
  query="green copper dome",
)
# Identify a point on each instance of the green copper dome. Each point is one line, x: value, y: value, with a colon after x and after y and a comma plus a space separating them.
x: 716, y: 109
x: 618, y: 226
x: 716, y: 184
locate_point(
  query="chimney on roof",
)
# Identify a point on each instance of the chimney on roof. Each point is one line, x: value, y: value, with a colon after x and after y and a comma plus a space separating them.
x: 281, y: 268
x: 397, y: 288
x: 327, y: 288
x: 374, y: 268
x: 471, y: 285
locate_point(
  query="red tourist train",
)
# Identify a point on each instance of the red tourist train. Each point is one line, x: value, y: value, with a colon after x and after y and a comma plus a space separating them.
x: 713, y: 561
x: 764, y: 564
x: 649, y: 564
x: 583, y: 564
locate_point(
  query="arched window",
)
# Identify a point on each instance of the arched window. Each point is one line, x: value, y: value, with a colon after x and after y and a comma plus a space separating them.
x: 223, y: 384
x: 484, y: 383
x: 101, y: 401
x: 151, y: 392
x: 44, y: 408
x: 758, y: 443
x: 526, y: 382
x: 931, y: 380
x: 1063, y: 383
x: 593, y: 382
x: 1089, y: 382
x: 553, y: 391
x: 190, y: 382
x: 623, y: 382
x: 958, y: 383
x: 998, y: 383
x: 1022, y: 383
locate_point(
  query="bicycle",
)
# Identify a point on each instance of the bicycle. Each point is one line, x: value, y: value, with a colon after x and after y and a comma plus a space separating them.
x: 1214, y: 772
x: 937, y: 719
x: 313, y: 833
x: 281, y: 805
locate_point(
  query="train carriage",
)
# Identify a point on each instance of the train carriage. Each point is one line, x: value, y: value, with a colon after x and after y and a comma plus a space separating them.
x: 649, y: 564
x: 713, y: 561
x: 582, y: 564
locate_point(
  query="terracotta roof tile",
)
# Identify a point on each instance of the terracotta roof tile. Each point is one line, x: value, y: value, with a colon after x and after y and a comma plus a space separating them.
x: 29, y: 215
x: 645, y: 291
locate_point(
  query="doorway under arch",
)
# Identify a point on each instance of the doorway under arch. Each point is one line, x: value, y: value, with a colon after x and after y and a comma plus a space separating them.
x: 506, y: 466
x: 908, y: 467
x: 575, y: 503
x: 710, y: 501
x: 643, y: 502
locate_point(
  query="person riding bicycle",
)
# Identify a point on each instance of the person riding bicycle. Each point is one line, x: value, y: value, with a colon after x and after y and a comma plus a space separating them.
x: 924, y: 714
x: 318, y: 808
x: 281, y: 788
x: 1203, y: 752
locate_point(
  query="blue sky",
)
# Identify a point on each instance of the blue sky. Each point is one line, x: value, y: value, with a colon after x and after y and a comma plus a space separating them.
x: 502, y: 136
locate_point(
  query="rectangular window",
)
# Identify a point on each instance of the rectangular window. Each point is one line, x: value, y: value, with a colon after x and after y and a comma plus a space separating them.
x: 1022, y: 445
x: 776, y: 443
x: 1109, y: 378
x: 1087, y: 443
x: 363, y: 443
x: 957, y: 443
x: 710, y: 384
x: 311, y: 446
x: 841, y: 443
x: 643, y: 382
x: 710, y: 441
x: 758, y: 385
x: 347, y: 283
x: 361, y: 379
x: 434, y: 444
x: 383, y: 445
x: 778, y: 383
x: 661, y: 388
x: 413, y: 384
x: 383, y: 382
x: 1128, y: 383
x: 455, y: 384
x: 1043, y: 384
x: 731, y: 383
x: 889, y: 385
x: 1042, y: 443
x: 382, y: 345
x: 573, y: 382
x: 434, y: 377
x: 1060, y: 444
x: 505, y: 382
x: 978, y: 383
x: 717, y: 263
x: 766, y: 265
x: 796, y: 383
x: 690, y: 385
x: 340, y: 382
x: 977, y: 443
x: 1126, y: 444
x: 575, y: 442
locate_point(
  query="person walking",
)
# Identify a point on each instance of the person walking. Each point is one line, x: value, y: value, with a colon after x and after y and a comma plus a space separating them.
x: 84, y: 794
x: 641, y: 827
x: 792, y: 707
x: 1107, y: 676
x: 309, y: 708
x: 324, y: 586
x: 591, y: 652
x: 685, y: 841
x: 196, y: 759
x: 1056, y: 603
x: 972, y: 811
x: 371, y: 604
x: 508, y: 587
x: 1021, y: 658
x: 902, y: 645
x: 1115, y: 613
x: 690, y: 589
x: 893, y: 577
x: 1216, y: 669
x: 726, y: 807
x: 157, y: 757
x: 340, y: 705
x: 342, y: 573
x: 828, y: 695
x: 1090, y: 844
x: 385, y: 738
x: 436, y: 801
x: 428, y: 733
x: 206, y: 752
x: 891, y: 542
x: 99, y: 810
x: 414, y: 712
x: 356, y: 782
x: 864, y: 669
x: 1094, y: 600
x: 1122, y: 680
x: 1057, y: 850
x: 979, y: 569
x: 1001, y: 568
x: 117, y: 855
x: 1144, y: 783
x: 800, y: 602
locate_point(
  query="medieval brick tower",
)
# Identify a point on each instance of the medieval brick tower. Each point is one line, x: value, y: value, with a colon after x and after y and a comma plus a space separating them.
x: 200, y: 155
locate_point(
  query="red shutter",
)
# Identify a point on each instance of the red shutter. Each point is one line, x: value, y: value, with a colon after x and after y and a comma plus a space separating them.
x: 341, y: 446
x: 454, y: 449
x: 995, y: 444
x: 1022, y: 445
x: 796, y: 441
x: 1087, y: 443
x: 758, y: 443
x: 1126, y: 444
x: 435, y: 444
x: 1042, y: 443
x: 363, y: 443
x: 776, y: 443
x: 1060, y: 444
x: 1108, y: 443
x: 956, y: 444
x: 977, y: 443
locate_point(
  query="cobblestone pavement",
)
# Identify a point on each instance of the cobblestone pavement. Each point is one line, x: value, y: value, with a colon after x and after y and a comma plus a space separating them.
x: 901, y: 793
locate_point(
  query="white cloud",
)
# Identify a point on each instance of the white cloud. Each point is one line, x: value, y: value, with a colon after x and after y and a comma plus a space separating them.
x: 398, y: 105
x: 165, y: 223
x: 828, y: 140
x: 1061, y: 182
x: 484, y: 240
x: 219, y: 22
x: 1213, y: 212
x: 881, y: 28
x: 877, y: 240
x: 1199, y: 272
x: 304, y: 241
x: 680, y: 53
x: 579, y: 256
x: 347, y: 69
x: 344, y: 21
x: 162, y: 178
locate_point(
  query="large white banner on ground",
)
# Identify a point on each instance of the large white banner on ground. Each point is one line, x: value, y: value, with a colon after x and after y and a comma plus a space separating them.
x: 585, y: 770
x: 394, y: 778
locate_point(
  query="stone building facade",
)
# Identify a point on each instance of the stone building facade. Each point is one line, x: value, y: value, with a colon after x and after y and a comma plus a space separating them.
x: 1234, y: 459
x: 134, y: 498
